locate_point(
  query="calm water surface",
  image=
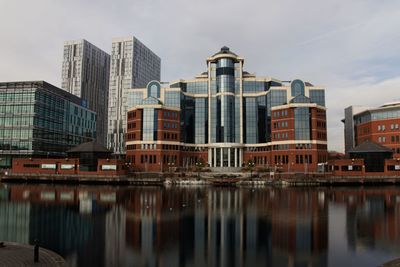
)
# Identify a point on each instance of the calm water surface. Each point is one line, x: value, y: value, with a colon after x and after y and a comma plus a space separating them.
x: 206, y: 226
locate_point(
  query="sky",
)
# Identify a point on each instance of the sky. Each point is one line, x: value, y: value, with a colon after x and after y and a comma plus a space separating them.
x: 351, y: 48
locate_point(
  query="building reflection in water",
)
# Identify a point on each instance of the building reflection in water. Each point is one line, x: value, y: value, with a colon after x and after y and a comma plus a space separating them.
x: 373, y: 218
x: 195, y: 226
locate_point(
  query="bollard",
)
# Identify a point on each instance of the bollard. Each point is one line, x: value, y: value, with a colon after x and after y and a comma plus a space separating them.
x: 36, y: 251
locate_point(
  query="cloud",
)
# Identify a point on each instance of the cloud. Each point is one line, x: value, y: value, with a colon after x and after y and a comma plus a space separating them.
x: 349, y: 47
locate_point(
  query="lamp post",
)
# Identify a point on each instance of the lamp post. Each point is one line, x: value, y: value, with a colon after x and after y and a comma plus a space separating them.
x: 251, y: 164
x: 199, y: 165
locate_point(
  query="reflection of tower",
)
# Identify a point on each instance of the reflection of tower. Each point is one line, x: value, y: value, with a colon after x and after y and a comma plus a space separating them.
x: 239, y: 233
x: 115, y: 237
x: 299, y: 228
x: 225, y: 227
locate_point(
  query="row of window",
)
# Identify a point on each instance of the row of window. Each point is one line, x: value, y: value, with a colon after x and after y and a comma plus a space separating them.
x: 165, y: 147
x: 260, y: 160
x: 131, y: 136
x: 170, y: 136
x: 280, y: 113
x: 168, y: 125
x: 170, y: 114
x: 258, y: 149
x: 281, y: 147
x: 170, y: 159
x: 148, y: 159
x: 303, y: 146
x: 170, y: 147
x: 393, y: 139
x: 132, y: 115
x: 131, y: 125
x: 280, y: 124
x: 300, y: 159
x: 281, y: 135
x: 346, y: 168
x: 392, y: 127
x: 281, y: 159
x: 321, y: 124
x: 321, y: 135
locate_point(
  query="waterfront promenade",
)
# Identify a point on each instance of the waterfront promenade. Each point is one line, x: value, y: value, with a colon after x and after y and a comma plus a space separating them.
x: 15, y: 254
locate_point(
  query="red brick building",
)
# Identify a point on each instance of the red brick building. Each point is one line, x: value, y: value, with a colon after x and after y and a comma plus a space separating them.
x: 66, y: 166
x: 298, y: 139
x: 380, y: 125
x: 299, y: 133
x: 159, y: 148
x: 88, y: 158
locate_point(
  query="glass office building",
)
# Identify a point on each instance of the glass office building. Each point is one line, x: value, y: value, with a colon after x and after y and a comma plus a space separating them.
x: 226, y: 115
x: 38, y: 119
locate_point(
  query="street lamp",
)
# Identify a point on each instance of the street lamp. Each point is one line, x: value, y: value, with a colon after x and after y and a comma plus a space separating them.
x: 251, y: 164
x: 198, y: 167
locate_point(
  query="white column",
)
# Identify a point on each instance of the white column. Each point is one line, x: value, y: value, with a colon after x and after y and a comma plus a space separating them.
x: 229, y: 157
x: 240, y: 157
x: 215, y: 157
x: 222, y: 157
x: 210, y: 157
x: 236, y: 157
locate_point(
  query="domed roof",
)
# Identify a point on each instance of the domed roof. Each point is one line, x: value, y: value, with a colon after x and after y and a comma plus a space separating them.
x: 225, y: 50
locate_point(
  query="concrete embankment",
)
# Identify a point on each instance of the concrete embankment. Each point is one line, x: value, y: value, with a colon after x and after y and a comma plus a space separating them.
x: 206, y: 179
x: 149, y: 179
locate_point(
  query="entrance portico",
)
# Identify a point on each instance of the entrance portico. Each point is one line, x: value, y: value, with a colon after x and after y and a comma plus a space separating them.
x: 225, y: 155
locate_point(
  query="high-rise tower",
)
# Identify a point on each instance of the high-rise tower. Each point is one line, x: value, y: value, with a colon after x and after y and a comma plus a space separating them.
x: 133, y: 65
x: 85, y: 73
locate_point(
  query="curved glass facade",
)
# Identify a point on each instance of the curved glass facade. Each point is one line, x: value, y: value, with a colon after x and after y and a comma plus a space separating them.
x: 228, y: 112
x: 224, y: 105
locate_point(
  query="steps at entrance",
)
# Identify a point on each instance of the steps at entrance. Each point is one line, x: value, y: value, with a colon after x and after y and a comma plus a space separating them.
x: 225, y: 169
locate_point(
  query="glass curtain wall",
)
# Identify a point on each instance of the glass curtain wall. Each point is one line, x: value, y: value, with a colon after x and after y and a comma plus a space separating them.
x: 302, y: 122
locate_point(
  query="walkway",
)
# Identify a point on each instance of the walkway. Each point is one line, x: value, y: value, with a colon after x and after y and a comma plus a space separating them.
x: 394, y: 263
x: 15, y: 254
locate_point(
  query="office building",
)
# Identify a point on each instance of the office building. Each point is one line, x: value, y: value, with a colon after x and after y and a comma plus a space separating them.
x: 85, y: 73
x: 38, y: 119
x: 380, y: 125
x: 227, y: 118
x: 133, y: 65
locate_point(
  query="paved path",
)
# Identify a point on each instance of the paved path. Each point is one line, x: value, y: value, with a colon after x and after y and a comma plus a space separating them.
x: 15, y: 254
x: 394, y: 263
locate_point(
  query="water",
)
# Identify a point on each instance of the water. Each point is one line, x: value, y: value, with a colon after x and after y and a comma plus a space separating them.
x: 206, y: 226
